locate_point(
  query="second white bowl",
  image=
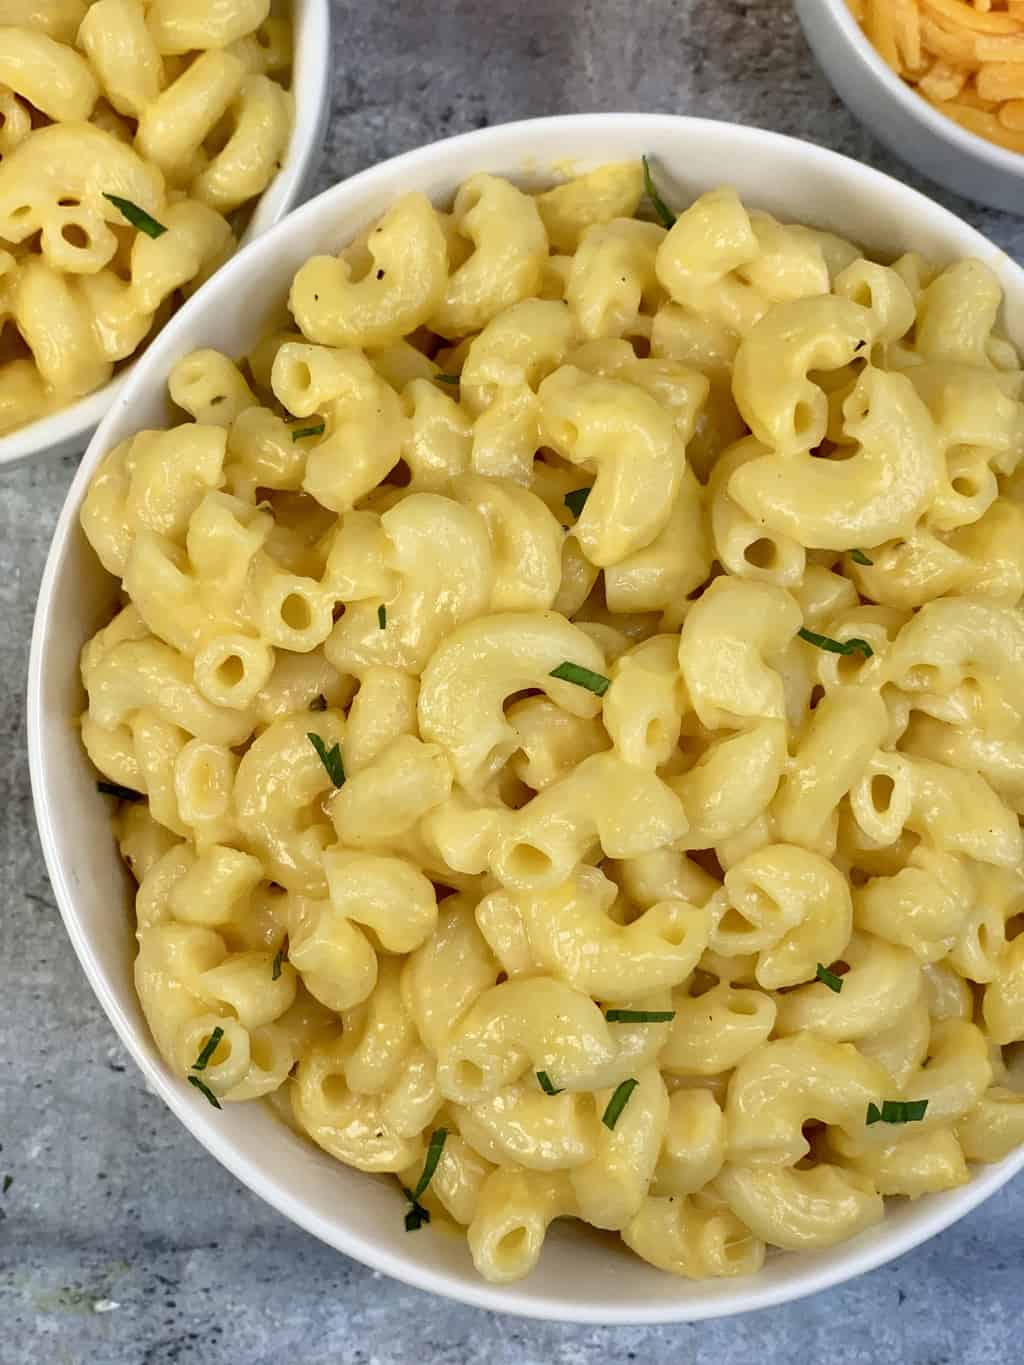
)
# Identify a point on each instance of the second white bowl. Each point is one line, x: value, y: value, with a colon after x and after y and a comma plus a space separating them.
x: 67, y: 431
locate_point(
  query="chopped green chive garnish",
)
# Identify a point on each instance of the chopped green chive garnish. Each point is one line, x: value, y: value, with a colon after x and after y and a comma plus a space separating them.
x: 278, y: 962
x: 210, y: 1048
x: 829, y: 979
x: 301, y: 432
x: 319, y: 703
x: 859, y: 557
x: 122, y: 793
x: 138, y: 218
x: 852, y: 646
x: 665, y: 215
x: 618, y: 1102
x: 418, y: 1215
x: 8, y: 1182
x: 582, y: 677
x: 436, y: 1145
x: 897, y: 1111
x: 205, y: 1090
x: 575, y: 500
x: 382, y: 616
x: 639, y: 1016
x: 330, y: 758
x: 545, y: 1084
x: 448, y: 378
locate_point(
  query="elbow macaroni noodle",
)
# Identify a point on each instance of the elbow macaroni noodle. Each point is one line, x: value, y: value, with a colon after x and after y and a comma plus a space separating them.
x: 649, y: 597
x: 175, y: 106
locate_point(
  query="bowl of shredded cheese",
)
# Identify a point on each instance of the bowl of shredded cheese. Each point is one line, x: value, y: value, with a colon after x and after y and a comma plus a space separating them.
x: 939, y: 82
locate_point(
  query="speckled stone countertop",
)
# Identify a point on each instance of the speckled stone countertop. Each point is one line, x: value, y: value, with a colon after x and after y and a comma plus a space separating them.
x: 121, y: 1242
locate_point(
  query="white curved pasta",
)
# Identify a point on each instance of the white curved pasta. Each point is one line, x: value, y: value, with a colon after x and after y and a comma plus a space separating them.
x: 478, y: 666
x: 613, y: 426
x: 571, y: 935
x: 505, y: 265
x: 398, y: 292
x: 801, y: 1210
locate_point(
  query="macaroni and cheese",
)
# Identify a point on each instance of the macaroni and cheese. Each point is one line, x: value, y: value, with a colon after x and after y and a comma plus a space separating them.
x: 566, y: 710
x: 131, y: 135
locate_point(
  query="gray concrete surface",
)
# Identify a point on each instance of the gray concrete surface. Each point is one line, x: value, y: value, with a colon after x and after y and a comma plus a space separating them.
x: 121, y: 1243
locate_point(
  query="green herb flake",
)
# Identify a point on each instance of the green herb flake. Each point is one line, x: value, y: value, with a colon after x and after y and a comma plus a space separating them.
x: 859, y: 557
x: 618, y: 1102
x: 829, y: 979
x: 418, y: 1215
x: 382, y: 616
x: 575, y: 500
x: 546, y: 1086
x: 319, y: 703
x: 122, y: 793
x: 639, y: 1016
x: 278, y: 963
x: 448, y: 378
x: 434, y: 1149
x: 301, y: 432
x: 209, y: 1049
x: 138, y: 218
x: 8, y: 1182
x: 582, y: 677
x: 665, y: 215
x: 897, y: 1111
x: 205, y: 1090
x: 852, y: 646
x: 330, y: 758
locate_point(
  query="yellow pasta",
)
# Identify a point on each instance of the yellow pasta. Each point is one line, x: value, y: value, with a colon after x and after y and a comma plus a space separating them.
x: 572, y: 720
x: 120, y: 173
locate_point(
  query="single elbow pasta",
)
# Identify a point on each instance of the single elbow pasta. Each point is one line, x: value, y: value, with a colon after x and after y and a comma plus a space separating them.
x: 566, y: 688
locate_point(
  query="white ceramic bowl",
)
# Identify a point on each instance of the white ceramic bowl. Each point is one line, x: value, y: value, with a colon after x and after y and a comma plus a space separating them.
x: 901, y: 119
x: 582, y: 1277
x: 67, y: 431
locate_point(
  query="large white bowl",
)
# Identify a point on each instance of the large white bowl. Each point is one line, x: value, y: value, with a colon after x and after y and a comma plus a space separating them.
x: 67, y: 431
x: 901, y: 119
x: 582, y: 1277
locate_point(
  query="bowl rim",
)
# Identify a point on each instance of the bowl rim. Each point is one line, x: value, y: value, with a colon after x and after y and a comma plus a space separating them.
x: 515, y: 1299
x: 972, y: 144
x: 53, y: 434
